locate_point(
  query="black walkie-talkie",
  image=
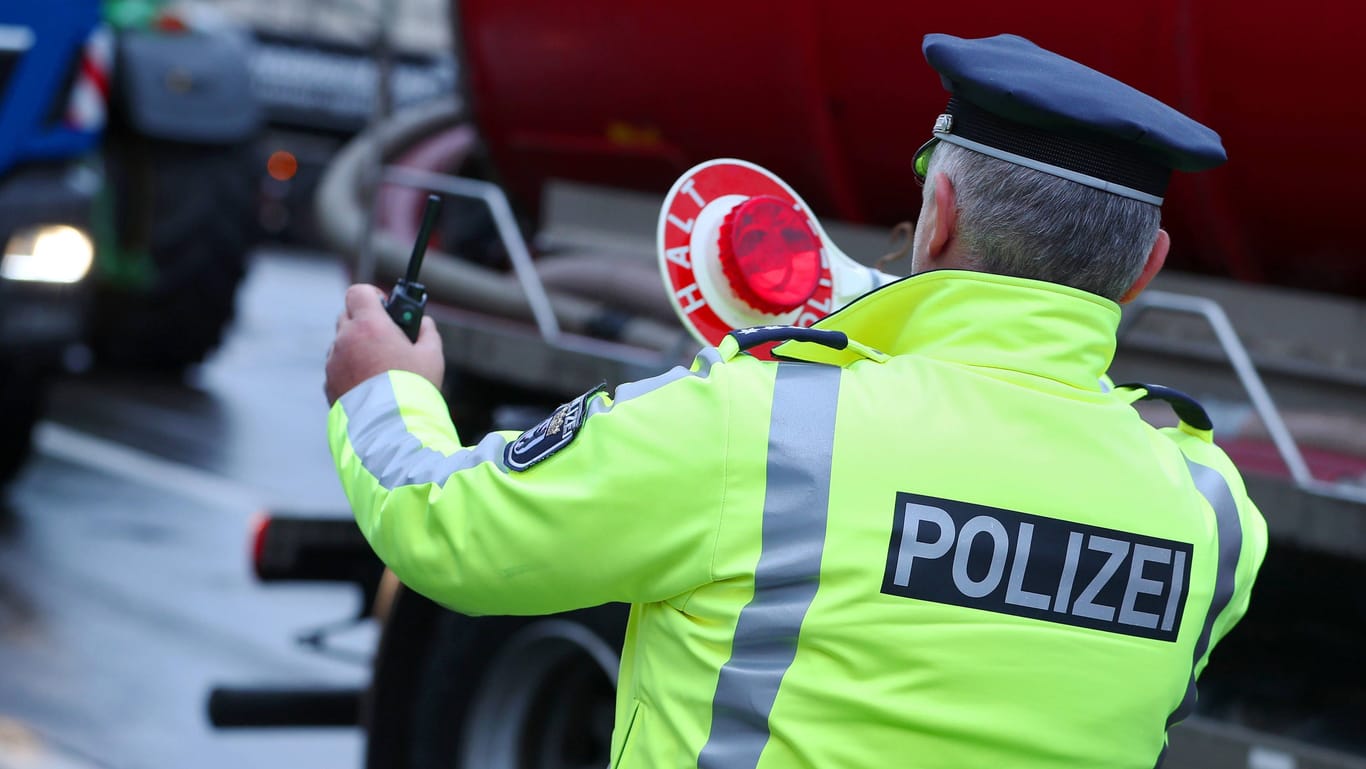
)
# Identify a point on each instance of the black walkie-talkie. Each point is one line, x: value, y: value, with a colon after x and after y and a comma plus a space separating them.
x: 409, y: 298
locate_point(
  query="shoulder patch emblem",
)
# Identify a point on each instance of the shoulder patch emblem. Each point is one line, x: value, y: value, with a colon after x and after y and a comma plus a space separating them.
x: 552, y: 434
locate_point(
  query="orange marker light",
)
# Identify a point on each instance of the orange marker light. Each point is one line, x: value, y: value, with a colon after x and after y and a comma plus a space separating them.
x: 282, y: 166
x: 171, y: 23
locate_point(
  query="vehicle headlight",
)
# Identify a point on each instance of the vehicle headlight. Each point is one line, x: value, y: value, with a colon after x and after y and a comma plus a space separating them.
x: 51, y: 253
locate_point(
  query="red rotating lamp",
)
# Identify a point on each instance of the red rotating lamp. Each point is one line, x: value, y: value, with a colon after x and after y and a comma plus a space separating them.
x: 769, y: 255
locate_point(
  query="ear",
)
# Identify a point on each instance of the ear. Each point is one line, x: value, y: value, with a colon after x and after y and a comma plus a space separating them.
x: 1156, y: 258
x: 943, y: 219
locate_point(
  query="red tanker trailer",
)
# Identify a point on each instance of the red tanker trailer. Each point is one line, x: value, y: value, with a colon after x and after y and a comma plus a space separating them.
x: 834, y: 96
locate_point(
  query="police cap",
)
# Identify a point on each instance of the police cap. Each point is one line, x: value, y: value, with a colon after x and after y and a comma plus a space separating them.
x: 1013, y: 100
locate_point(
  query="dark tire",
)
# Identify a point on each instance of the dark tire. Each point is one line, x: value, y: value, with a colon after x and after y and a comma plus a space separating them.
x: 192, y: 208
x: 21, y: 403
x: 457, y: 692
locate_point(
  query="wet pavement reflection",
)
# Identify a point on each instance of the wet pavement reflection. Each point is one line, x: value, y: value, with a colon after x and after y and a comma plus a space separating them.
x: 125, y: 591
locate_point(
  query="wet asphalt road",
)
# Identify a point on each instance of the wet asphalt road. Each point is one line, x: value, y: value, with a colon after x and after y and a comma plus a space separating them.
x: 125, y: 591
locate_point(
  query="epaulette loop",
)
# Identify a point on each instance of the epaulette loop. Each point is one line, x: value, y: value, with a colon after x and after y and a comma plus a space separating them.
x: 1187, y: 409
x: 757, y: 335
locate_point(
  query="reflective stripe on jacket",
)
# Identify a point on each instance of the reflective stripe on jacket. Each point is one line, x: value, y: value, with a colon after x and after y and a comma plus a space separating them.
x: 965, y: 552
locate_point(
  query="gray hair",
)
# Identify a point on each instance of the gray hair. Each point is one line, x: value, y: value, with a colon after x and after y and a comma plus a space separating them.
x: 1017, y: 221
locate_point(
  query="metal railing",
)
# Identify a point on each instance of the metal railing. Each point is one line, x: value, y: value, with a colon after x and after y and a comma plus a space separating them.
x: 1251, y: 382
x: 533, y: 289
x: 506, y: 223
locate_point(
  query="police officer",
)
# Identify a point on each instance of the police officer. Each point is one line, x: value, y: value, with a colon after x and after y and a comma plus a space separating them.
x: 933, y: 536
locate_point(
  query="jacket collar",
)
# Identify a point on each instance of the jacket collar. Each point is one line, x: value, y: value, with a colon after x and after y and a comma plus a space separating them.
x: 979, y: 319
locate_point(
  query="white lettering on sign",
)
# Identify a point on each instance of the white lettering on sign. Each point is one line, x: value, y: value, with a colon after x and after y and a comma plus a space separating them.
x: 1178, y: 572
x: 1140, y: 585
x: 679, y: 256
x: 982, y: 524
x: 680, y: 224
x: 1009, y: 562
x: 690, y: 297
x: 1063, y: 601
x: 1015, y: 592
x: 913, y: 547
x: 1085, y: 605
x: 820, y: 305
x: 689, y: 188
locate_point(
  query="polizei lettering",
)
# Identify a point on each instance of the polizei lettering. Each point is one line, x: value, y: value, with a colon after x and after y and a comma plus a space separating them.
x: 1015, y: 563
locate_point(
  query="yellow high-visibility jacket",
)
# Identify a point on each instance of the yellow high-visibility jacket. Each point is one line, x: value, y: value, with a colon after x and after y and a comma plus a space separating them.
x: 934, y: 538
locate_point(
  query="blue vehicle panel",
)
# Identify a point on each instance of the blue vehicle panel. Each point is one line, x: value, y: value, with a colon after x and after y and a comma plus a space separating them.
x: 41, y: 41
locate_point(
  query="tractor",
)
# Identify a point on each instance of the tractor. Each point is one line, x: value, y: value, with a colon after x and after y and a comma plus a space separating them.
x: 126, y: 198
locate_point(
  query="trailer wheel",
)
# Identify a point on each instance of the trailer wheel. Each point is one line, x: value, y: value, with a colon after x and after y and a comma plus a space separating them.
x: 191, y: 207
x: 493, y: 692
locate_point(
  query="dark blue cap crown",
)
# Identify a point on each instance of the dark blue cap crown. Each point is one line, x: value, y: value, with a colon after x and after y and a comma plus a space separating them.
x: 1016, y: 101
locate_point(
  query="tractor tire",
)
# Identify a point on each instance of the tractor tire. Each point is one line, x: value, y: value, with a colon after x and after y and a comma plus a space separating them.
x: 452, y: 691
x: 197, y: 222
x: 21, y: 403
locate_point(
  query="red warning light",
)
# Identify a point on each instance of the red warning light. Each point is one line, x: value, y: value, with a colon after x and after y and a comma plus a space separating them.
x: 282, y: 166
x: 770, y: 255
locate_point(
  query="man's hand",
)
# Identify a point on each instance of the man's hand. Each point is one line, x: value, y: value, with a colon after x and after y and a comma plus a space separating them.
x: 369, y: 342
